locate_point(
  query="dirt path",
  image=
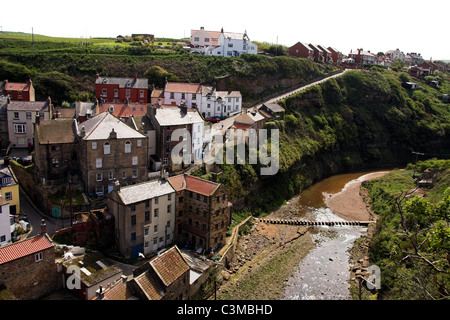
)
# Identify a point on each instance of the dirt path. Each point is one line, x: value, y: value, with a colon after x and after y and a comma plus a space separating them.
x: 348, y: 203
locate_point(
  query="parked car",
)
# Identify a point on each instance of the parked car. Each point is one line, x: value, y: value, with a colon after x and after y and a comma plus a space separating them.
x: 213, y: 119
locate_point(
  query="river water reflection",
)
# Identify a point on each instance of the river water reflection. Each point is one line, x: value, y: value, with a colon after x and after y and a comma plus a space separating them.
x: 324, y: 272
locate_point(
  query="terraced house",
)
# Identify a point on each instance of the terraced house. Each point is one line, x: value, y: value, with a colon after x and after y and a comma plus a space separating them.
x: 121, y: 90
x: 144, y: 217
x: 202, y: 212
x: 108, y: 150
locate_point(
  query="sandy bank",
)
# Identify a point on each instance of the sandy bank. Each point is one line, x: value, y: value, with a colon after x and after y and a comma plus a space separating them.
x: 348, y: 203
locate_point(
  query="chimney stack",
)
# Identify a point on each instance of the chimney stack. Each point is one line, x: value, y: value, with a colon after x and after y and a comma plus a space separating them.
x: 113, y: 134
x: 97, y: 76
x: 135, y: 77
x: 100, y: 293
x: 43, y: 227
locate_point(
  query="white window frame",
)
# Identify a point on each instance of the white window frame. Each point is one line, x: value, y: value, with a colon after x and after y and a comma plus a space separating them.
x: 135, y: 160
x: 99, y: 176
x: 94, y: 145
x: 38, y: 257
x: 127, y: 146
x: 20, y: 128
x: 107, y: 148
x: 99, y: 163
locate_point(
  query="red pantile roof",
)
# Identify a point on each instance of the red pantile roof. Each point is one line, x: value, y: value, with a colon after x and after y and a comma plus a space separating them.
x: 12, y: 86
x: 24, y: 248
x: 150, y: 286
x: 120, y: 291
x: 169, y: 265
x: 241, y: 126
x: 194, y: 184
x: 183, y: 87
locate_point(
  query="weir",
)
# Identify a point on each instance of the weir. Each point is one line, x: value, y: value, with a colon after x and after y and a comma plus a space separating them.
x: 297, y: 222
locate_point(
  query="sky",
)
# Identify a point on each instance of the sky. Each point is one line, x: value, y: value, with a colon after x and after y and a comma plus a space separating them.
x: 409, y: 25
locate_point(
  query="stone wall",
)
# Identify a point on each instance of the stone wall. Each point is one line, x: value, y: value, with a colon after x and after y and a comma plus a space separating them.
x: 30, y: 280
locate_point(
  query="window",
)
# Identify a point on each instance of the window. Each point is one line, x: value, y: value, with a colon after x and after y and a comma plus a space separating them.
x: 155, y: 229
x: 196, y: 38
x: 141, y: 93
x: 133, y: 220
x: 111, y: 175
x: 104, y: 92
x: 8, y: 196
x: 230, y: 45
x: 169, y: 197
x: 134, y: 160
x: 169, y: 208
x: 161, y: 239
x: 194, y: 96
x: 147, y: 216
x: 172, y: 95
x: 156, y: 200
x: 127, y: 147
x: 124, y: 174
x: 106, y: 148
x: 165, y: 161
x: 183, y: 96
x: 155, y: 213
x: 99, y: 190
x: 116, y: 93
x: 94, y: 145
x: 99, y: 177
x: 135, y: 174
x: 205, y: 199
x: 98, y: 162
x: 147, y: 203
x: 16, y: 115
x: 139, y: 143
x: 28, y: 115
x: 146, y: 244
x: 20, y: 128
x: 38, y: 257
x: 133, y: 236
x: 206, y: 39
x: 146, y: 231
x: 128, y: 94
x: 168, y: 224
x: 180, y: 199
x: 133, y: 208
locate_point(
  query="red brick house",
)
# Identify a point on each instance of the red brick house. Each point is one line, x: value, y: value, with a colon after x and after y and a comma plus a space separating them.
x: 19, y: 91
x: 121, y: 90
x: 318, y: 53
x: 301, y: 50
x: 336, y: 55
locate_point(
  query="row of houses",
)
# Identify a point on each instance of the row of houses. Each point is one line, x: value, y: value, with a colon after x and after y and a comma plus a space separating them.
x: 36, y: 267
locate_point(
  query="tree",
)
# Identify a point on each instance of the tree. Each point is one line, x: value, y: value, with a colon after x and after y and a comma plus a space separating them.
x: 157, y: 75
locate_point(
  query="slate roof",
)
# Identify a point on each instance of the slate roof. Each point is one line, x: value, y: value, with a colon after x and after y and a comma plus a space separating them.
x: 124, y: 110
x: 194, y: 184
x: 139, y: 83
x: 15, y: 86
x: 100, y: 127
x: 24, y: 248
x: 223, y: 94
x: 274, y: 107
x: 144, y: 191
x: 28, y: 105
x: 169, y: 265
x: 56, y: 131
x: 172, y: 116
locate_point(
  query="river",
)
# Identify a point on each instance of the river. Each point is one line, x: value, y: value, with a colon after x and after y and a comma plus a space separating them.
x: 324, y: 272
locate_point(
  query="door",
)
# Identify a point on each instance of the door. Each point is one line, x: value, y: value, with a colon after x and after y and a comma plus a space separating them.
x: 136, y: 249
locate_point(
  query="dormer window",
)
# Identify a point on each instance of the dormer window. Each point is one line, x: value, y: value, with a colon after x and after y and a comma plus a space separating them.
x: 128, y: 84
x: 105, y: 81
x: 111, y: 109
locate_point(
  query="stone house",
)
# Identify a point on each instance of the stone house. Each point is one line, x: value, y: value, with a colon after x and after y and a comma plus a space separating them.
x: 21, y: 118
x: 27, y: 268
x: 55, y: 144
x: 169, y: 120
x: 144, y: 217
x: 109, y: 149
x: 202, y: 212
x: 164, y: 277
x: 272, y: 110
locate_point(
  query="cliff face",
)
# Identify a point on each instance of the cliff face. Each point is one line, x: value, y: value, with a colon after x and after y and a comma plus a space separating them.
x: 361, y: 120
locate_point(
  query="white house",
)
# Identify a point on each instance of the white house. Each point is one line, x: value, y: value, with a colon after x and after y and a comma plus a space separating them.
x: 231, y: 44
x: 203, y: 38
x: 396, y: 54
x: 190, y: 93
x: 6, y: 228
x: 220, y: 103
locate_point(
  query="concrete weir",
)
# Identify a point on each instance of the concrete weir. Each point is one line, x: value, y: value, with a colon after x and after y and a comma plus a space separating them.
x: 316, y: 223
